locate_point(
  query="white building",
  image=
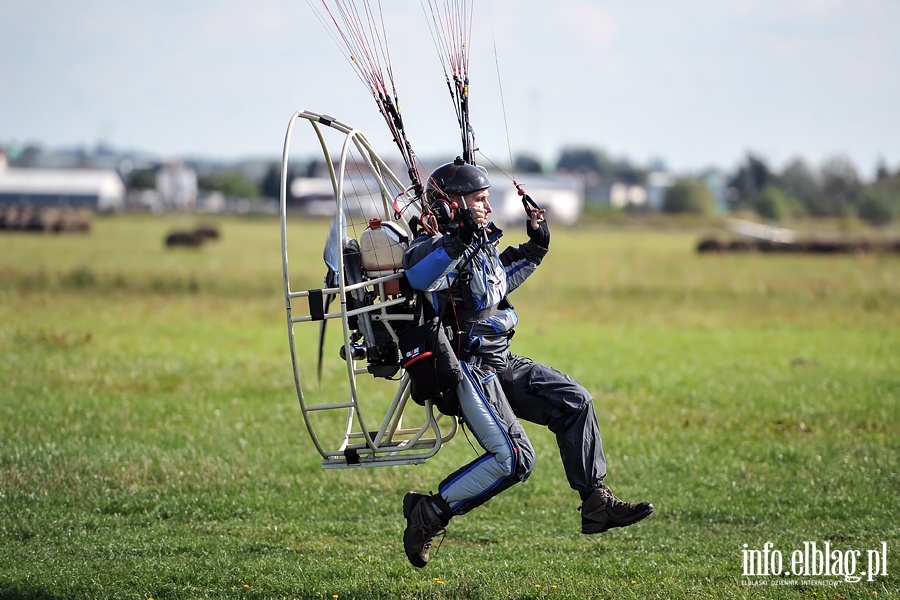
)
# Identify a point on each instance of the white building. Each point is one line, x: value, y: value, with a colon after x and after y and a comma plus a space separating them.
x: 623, y: 195
x: 176, y: 184
x: 562, y: 196
x: 101, y: 190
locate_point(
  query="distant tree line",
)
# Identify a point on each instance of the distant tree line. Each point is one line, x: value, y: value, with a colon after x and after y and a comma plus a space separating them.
x: 834, y: 189
x: 230, y: 183
x: 592, y: 161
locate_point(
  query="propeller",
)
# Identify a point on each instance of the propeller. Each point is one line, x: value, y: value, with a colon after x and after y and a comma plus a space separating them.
x: 330, y: 281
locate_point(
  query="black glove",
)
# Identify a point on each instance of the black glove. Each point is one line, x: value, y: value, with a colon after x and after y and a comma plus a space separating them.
x: 467, y: 225
x: 541, y: 235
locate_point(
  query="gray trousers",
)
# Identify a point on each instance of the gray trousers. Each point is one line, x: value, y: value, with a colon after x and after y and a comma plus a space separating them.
x: 492, y: 400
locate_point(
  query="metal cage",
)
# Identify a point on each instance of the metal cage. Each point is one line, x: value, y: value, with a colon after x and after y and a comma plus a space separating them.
x: 407, y: 433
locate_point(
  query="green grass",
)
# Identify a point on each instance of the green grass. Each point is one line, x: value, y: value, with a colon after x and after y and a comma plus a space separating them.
x: 151, y: 443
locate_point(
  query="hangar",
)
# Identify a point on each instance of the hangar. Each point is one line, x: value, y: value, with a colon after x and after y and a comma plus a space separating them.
x: 97, y: 189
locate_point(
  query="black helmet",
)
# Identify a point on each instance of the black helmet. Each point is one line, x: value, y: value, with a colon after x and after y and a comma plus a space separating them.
x: 458, y: 178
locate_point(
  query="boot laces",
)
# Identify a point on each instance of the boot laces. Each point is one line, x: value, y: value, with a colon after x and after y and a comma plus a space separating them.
x: 426, y: 547
x: 611, y: 500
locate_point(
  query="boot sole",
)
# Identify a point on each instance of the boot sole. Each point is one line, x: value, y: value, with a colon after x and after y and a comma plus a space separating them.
x: 409, y: 500
x: 597, y: 527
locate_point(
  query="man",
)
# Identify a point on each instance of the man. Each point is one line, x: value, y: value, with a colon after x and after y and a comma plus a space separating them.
x: 461, y: 263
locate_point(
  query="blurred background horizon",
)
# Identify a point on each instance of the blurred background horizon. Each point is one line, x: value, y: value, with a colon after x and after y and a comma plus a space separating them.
x: 682, y: 86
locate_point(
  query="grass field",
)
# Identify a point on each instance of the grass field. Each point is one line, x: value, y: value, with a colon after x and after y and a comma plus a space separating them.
x: 151, y: 443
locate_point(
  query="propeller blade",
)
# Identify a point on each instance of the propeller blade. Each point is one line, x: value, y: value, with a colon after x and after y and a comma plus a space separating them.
x: 328, y: 299
x: 329, y: 282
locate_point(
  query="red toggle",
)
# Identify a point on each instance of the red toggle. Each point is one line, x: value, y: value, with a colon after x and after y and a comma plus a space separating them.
x: 519, y: 189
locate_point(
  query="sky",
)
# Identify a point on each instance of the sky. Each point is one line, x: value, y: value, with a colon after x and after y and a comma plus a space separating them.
x: 693, y: 83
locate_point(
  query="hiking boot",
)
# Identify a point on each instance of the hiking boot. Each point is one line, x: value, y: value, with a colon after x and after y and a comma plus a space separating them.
x: 602, y: 511
x: 422, y: 525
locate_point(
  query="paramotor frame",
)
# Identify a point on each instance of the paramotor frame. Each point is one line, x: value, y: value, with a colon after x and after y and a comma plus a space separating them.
x: 369, y: 299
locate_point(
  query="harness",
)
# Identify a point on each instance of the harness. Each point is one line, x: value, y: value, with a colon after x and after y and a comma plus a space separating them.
x: 458, y: 310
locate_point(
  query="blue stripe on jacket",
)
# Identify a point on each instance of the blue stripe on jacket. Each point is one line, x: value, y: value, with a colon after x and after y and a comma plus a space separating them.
x: 424, y: 274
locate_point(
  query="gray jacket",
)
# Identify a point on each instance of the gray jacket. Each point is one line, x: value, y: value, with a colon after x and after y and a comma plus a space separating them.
x: 480, y: 278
